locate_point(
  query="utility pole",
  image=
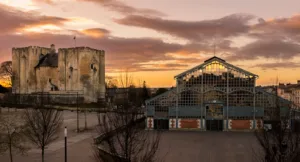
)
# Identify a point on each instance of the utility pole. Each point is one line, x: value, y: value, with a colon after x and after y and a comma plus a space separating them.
x: 85, y: 120
x: 77, y: 113
x: 66, y: 155
x: 74, y: 41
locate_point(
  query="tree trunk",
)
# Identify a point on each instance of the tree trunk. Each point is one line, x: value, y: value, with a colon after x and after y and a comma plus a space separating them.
x: 77, y: 118
x: 10, y: 151
x: 85, y: 120
x: 43, y: 153
x: 98, y: 116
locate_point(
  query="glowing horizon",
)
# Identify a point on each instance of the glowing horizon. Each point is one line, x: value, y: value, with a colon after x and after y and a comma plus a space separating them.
x: 155, y: 42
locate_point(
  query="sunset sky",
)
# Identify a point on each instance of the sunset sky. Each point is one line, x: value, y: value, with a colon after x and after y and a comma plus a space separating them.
x: 156, y: 39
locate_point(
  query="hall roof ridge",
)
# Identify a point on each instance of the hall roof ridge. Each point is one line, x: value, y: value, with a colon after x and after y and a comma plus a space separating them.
x: 211, y: 60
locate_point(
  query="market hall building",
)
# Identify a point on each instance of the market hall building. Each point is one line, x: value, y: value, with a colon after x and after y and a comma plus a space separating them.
x: 213, y: 96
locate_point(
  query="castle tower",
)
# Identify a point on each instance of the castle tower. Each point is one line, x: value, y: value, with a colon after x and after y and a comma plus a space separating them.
x: 70, y: 71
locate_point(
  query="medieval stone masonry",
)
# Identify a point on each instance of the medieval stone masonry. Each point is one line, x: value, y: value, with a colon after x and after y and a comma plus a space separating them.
x: 79, y: 70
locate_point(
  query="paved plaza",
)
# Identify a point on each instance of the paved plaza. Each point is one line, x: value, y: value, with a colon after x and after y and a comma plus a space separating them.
x: 187, y: 146
x: 207, y: 146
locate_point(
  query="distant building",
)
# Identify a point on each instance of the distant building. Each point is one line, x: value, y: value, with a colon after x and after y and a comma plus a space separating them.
x: 117, y: 96
x: 214, y: 95
x: 290, y: 92
x: 66, y: 72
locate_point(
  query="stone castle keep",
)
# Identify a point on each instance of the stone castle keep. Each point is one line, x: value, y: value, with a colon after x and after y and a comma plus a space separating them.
x: 68, y: 71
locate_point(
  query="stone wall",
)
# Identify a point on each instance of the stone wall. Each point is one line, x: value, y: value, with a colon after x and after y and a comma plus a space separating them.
x: 80, y: 69
x: 23, y: 62
x: 44, y: 74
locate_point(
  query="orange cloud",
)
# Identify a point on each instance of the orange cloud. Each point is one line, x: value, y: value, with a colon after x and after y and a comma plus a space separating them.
x: 95, y: 32
x: 279, y: 28
x: 196, y: 31
x: 15, y: 20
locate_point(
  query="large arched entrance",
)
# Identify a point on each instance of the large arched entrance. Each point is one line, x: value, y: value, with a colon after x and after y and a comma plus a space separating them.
x: 214, y: 115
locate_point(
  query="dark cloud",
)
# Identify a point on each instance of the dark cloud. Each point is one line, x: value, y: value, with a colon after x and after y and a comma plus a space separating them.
x: 231, y: 25
x: 280, y: 28
x: 121, y: 53
x: 123, y: 8
x: 116, y: 6
x: 278, y: 65
x: 267, y: 49
x: 277, y: 38
x: 142, y: 54
x: 13, y: 20
x: 162, y: 67
x: 286, y: 25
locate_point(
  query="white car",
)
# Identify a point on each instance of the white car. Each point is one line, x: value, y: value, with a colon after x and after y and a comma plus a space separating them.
x: 267, y: 127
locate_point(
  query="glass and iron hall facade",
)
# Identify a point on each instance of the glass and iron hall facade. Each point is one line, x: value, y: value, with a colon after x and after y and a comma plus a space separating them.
x: 212, y: 96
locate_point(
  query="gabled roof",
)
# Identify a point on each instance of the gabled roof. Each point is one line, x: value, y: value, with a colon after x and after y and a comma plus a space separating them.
x: 211, y: 60
x: 48, y: 60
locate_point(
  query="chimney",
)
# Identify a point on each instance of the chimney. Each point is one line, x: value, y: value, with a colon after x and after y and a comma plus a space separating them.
x: 53, y: 48
x: 298, y: 81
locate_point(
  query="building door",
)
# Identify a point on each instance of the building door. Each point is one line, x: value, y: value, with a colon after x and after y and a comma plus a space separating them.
x: 214, y: 117
x: 161, y: 124
x: 214, y: 125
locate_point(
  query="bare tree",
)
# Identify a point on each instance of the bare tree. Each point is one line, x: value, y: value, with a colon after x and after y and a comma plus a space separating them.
x: 42, y: 126
x: 111, y: 82
x: 130, y: 141
x: 280, y: 143
x: 125, y: 80
x: 11, y: 137
x: 6, y: 72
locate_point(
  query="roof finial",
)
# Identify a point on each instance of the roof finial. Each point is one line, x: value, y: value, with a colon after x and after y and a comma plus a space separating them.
x: 52, y: 47
x: 215, y: 41
x: 215, y: 47
x: 75, y: 40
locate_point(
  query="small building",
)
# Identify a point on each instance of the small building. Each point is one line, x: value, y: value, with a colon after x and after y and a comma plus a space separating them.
x: 214, y: 95
x: 66, y: 73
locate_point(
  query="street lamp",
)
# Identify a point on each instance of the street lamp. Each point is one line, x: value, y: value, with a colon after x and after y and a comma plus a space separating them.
x: 66, y: 132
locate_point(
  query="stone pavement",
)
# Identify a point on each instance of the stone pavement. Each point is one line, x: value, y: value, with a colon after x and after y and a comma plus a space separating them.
x: 207, y: 146
x: 61, y: 143
x: 175, y: 146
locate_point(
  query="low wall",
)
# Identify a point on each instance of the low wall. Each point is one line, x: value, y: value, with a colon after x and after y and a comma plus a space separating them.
x: 245, y: 124
x: 45, y: 98
x: 194, y: 124
x: 189, y: 123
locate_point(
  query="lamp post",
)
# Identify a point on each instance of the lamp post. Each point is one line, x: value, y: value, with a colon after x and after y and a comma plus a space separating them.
x: 66, y: 144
